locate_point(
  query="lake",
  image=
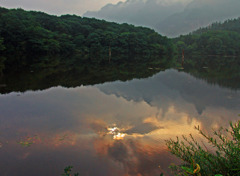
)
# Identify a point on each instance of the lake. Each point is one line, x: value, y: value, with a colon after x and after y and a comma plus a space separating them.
x: 113, y: 128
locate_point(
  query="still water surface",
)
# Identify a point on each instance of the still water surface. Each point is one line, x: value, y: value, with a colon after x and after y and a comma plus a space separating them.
x: 116, y: 128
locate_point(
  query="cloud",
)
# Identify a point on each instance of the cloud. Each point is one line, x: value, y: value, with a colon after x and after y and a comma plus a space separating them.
x: 139, y: 158
x: 57, y: 7
x: 118, y: 151
x: 143, y: 128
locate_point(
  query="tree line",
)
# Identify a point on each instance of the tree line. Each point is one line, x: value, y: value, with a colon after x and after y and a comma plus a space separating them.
x: 27, y: 36
x: 216, y: 39
x: 36, y: 39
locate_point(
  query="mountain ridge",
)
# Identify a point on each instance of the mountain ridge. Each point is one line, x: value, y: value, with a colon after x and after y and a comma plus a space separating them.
x: 170, y: 19
x: 143, y: 12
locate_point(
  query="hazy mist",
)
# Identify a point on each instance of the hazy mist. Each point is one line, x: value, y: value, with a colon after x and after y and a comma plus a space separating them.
x: 170, y: 18
x: 139, y: 12
x: 199, y: 13
x: 58, y: 7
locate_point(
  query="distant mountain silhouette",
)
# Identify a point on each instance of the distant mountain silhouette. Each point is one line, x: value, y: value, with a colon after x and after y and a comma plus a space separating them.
x: 199, y: 13
x: 170, y: 18
x: 138, y: 12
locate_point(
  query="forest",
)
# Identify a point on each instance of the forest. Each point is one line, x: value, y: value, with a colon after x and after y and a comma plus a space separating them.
x: 221, y: 39
x: 30, y: 38
x: 35, y: 40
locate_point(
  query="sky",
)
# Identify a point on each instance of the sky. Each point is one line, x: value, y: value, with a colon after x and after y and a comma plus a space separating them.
x: 58, y: 7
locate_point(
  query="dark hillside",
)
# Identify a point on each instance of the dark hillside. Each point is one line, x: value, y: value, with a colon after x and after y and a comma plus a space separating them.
x: 27, y: 37
x: 222, y: 39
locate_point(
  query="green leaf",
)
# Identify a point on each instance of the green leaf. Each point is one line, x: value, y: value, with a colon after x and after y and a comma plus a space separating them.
x: 188, y: 170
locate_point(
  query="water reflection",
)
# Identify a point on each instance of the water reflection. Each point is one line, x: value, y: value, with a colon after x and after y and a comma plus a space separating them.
x: 217, y: 70
x: 73, y: 75
x: 221, y: 71
x: 114, y: 128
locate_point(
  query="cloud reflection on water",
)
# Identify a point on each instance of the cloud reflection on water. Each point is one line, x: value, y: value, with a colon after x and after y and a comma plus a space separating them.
x: 73, y: 125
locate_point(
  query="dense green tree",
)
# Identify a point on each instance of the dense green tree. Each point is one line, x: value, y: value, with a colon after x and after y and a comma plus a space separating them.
x: 2, y: 47
x: 2, y: 65
x: 2, y: 59
x: 217, y: 39
x: 30, y: 36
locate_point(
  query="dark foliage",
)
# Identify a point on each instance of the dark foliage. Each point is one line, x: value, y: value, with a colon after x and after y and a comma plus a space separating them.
x: 224, y: 159
x: 217, y: 39
x: 27, y: 36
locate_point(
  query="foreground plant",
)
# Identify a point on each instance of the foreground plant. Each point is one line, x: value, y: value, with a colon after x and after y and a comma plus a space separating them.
x: 224, y: 159
x: 67, y: 171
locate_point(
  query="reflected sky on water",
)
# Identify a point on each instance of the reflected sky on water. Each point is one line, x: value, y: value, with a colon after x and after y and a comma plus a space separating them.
x: 116, y: 128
